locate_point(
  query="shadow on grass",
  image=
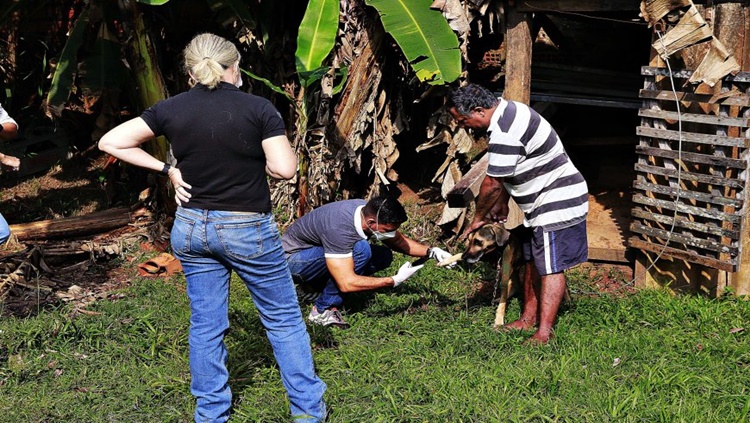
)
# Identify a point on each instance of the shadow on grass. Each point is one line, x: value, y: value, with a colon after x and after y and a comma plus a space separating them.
x: 250, y: 351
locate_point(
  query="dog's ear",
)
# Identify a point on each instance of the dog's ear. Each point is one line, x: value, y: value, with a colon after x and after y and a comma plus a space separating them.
x: 502, y: 236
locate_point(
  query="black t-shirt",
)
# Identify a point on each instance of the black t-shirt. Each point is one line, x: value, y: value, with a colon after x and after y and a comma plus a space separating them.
x: 216, y: 137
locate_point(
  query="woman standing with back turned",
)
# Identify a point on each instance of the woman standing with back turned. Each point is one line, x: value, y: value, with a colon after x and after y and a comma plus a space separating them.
x: 226, y: 142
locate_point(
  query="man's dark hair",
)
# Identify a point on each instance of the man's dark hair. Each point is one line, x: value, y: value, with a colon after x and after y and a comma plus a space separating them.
x: 466, y: 99
x: 387, y: 209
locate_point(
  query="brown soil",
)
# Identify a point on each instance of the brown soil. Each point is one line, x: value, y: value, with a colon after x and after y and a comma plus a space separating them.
x: 608, y: 278
x: 73, y: 189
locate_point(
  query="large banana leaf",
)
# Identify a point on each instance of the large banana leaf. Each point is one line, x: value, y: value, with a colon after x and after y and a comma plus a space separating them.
x: 103, y: 68
x: 424, y: 36
x: 62, y: 79
x: 316, y: 37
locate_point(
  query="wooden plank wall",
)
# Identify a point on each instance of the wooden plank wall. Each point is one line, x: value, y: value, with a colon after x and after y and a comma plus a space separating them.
x: 691, y: 179
x: 730, y: 23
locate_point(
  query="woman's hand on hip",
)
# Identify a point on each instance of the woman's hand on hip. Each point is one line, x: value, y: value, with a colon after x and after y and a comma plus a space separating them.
x: 181, y: 194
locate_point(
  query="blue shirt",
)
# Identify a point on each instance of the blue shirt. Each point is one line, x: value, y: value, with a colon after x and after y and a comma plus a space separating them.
x: 335, y: 226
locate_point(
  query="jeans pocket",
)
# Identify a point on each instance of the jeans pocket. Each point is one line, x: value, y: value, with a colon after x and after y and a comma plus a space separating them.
x: 182, y: 232
x: 241, y: 240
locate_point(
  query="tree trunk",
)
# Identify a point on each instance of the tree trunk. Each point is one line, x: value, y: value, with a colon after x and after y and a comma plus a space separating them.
x: 71, y: 227
x: 145, y: 69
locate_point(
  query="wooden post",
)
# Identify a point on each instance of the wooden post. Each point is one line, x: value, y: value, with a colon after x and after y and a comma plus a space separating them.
x: 518, y: 59
x: 740, y: 280
x: 731, y: 29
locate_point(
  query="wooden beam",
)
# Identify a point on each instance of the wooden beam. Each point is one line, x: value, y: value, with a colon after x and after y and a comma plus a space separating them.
x: 683, y: 193
x: 695, y: 118
x: 586, y: 100
x: 539, y: 6
x: 681, y: 255
x: 731, y: 99
x: 687, y: 73
x: 608, y: 254
x: 733, y: 30
x: 689, y: 176
x: 708, y: 139
x: 687, y: 157
x: 714, y: 214
x: 683, y: 222
x: 518, y: 59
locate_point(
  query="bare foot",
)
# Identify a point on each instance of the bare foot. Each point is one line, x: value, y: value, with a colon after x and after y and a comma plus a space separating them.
x: 538, y: 339
x: 520, y: 324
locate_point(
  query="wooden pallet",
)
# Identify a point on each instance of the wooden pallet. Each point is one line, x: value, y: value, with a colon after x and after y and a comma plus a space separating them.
x: 690, y: 187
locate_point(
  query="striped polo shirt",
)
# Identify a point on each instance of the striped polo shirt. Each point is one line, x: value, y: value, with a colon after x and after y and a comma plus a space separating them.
x: 526, y: 152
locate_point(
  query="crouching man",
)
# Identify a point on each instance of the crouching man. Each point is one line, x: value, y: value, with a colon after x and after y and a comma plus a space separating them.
x: 328, y: 251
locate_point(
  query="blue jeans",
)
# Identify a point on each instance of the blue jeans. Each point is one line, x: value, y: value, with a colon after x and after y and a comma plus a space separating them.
x: 210, y: 244
x: 309, y: 265
x: 4, y: 230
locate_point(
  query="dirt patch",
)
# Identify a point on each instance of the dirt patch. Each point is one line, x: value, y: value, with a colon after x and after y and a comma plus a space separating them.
x: 35, y: 275
x: 71, y: 189
x: 602, y: 278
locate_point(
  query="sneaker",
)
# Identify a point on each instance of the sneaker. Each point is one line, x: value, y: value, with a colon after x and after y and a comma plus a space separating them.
x: 330, y: 317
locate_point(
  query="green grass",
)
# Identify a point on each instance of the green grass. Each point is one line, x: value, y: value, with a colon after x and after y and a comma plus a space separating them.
x: 424, y: 352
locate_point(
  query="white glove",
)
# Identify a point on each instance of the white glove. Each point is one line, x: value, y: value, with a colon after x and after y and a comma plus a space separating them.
x: 405, y: 272
x: 440, y: 255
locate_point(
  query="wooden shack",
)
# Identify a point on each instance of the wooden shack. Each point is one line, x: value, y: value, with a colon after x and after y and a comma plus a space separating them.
x: 652, y: 103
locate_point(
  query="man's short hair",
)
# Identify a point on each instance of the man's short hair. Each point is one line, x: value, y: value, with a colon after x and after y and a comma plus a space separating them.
x: 466, y: 99
x: 386, y: 209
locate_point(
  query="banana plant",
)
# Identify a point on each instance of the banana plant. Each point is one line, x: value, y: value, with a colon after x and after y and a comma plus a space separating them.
x: 315, y: 41
x: 104, y: 67
x: 424, y: 36
x: 62, y: 78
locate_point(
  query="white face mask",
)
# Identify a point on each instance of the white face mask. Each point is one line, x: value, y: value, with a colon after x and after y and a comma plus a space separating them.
x: 382, y: 236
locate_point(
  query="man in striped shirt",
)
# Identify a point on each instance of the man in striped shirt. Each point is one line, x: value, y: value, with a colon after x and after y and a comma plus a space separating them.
x: 527, y: 161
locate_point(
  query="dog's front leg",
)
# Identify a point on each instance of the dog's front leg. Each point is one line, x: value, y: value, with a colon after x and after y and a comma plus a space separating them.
x: 500, y: 312
x: 505, y: 278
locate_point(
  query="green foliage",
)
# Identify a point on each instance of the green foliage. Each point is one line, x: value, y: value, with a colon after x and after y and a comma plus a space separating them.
x: 103, y: 68
x: 316, y: 38
x: 62, y: 79
x: 127, y: 363
x: 154, y: 2
x: 424, y: 36
x: 268, y: 84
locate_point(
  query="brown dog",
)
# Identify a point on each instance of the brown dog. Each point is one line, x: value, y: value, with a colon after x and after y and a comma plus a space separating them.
x: 510, y: 267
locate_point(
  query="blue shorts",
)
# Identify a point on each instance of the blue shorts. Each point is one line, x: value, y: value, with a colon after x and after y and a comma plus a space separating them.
x: 555, y: 251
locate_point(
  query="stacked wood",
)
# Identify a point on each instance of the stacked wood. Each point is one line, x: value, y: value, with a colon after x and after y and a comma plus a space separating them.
x: 689, y: 29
